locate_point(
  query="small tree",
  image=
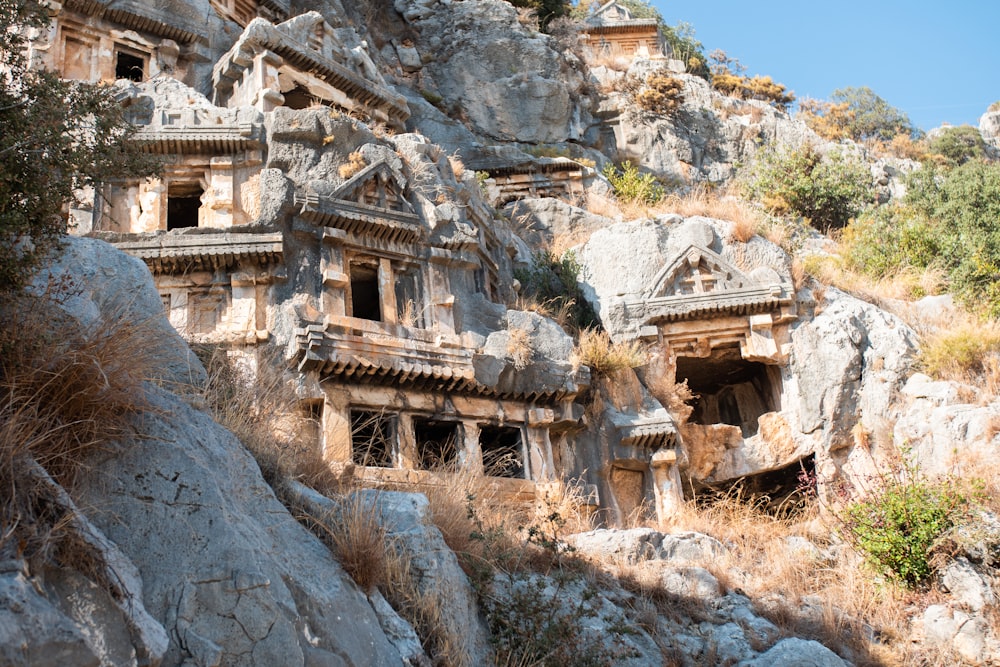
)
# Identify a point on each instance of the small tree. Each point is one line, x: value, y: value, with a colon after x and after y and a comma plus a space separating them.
x: 958, y: 145
x: 828, y: 190
x: 871, y: 116
x: 57, y: 137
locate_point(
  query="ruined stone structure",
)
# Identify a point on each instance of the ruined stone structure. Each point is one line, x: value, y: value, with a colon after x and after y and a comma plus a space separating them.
x: 612, y: 30
x: 545, y: 177
x: 380, y: 283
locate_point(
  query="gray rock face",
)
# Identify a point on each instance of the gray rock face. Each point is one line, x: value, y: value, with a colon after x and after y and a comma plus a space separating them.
x: 228, y: 572
x: 542, y: 220
x: 511, y: 84
x: 795, y: 652
x: 989, y: 127
x: 106, y: 285
x: 850, y: 361
x: 966, y: 585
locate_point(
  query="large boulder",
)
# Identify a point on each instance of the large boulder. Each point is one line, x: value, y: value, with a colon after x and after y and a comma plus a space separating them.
x: 511, y: 84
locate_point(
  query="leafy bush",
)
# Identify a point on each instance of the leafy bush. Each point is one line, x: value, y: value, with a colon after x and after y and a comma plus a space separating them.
x: 948, y: 220
x: 546, y: 10
x: 896, y: 527
x: 889, y: 239
x: 963, y: 352
x: 631, y: 186
x: 552, y: 281
x: 828, y: 190
x: 58, y: 136
x: 958, y: 145
x: 870, y: 116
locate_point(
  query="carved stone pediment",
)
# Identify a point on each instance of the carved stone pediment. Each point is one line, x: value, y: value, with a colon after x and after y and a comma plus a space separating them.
x: 697, y: 271
x: 699, y: 284
x: 371, y: 203
x: 378, y: 186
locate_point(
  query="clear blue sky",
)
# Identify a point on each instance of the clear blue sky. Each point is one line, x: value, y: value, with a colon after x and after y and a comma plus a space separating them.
x: 936, y: 61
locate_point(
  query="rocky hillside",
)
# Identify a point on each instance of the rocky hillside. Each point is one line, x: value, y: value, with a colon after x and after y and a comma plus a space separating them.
x: 714, y: 475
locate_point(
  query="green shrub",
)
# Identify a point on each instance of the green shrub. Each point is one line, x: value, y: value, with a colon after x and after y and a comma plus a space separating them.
x: 958, y: 145
x: 896, y: 528
x: 552, y: 282
x: 631, y: 186
x: 889, y: 239
x: 828, y: 190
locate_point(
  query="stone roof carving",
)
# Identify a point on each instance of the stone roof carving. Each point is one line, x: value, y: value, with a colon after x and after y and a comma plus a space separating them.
x: 174, y: 118
x: 178, y: 253
x: 173, y: 19
x: 611, y: 15
x: 370, y: 203
x: 655, y: 431
x: 306, y: 43
x: 699, y: 283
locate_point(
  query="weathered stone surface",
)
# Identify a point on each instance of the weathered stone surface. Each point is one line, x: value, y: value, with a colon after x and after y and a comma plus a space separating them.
x: 105, y: 285
x: 691, y: 582
x: 229, y: 573
x: 541, y: 221
x: 626, y: 546
x: 691, y: 547
x: 966, y: 585
x: 510, y: 83
x: 795, y: 652
x: 406, y: 517
x: 850, y: 361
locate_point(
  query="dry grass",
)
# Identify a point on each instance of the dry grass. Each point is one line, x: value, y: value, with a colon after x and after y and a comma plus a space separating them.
x: 906, y: 285
x: 249, y: 394
x: 966, y: 352
x: 66, y: 392
x: 596, y: 350
x: 519, y: 348
x: 377, y: 561
x: 355, y: 163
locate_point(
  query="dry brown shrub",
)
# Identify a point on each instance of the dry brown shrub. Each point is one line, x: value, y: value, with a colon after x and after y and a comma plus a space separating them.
x: 519, y: 348
x: 355, y: 163
x: 596, y: 350
x: 249, y: 393
x: 65, y: 392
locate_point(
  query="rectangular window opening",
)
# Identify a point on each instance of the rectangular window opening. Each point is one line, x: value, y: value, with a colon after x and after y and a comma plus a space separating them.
x: 365, y: 297
x: 437, y: 443
x: 503, y: 451
x: 129, y: 66
x: 373, y: 438
x: 183, y: 204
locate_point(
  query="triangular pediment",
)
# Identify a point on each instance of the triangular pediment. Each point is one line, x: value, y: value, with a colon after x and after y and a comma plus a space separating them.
x: 377, y: 186
x: 612, y: 11
x: 697, y: 271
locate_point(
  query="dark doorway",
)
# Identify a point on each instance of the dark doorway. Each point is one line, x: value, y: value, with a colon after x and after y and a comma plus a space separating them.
x: 730, y: 390
x: 437, y: 443
x: 183, y: 203
x: 373, y: 437
x: 365, y: 299
x: 129, y: 66
x: 503, y: 451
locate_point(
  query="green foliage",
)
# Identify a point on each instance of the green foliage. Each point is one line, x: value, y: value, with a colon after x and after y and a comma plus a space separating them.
x: 687, y: 49
x: 958, y: 145
x: 631, y: 186
x: 871, y: 117
x: 535, y: 619
x: 57, y: 137
x: 889, y: 239
x: 948, y: 219
x: 896, y: 527
x: 828, y: 190
x: 552, y: 281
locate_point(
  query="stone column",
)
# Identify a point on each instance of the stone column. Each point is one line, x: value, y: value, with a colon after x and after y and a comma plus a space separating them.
x: 336, y: 438
x: 666, y: 484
